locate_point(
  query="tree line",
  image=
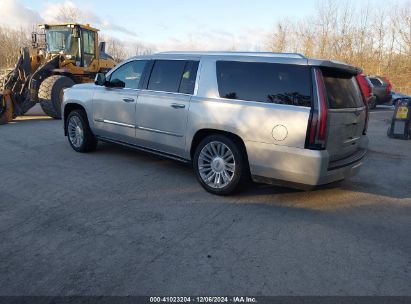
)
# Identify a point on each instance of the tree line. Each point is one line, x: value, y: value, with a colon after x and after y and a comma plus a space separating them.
x: 12, y: 40
x: 375, y: 38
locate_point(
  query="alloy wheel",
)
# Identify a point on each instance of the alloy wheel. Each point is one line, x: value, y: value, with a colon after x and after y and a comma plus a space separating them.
x: 216, y: 165
x: 75, y: 131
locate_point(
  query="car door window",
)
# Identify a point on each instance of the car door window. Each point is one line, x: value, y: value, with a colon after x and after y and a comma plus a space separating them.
x: 128, y: 75
x: 166, y: 75
x: 188, y: 80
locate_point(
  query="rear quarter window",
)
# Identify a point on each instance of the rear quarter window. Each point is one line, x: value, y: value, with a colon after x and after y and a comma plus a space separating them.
x: 265, y: 82
x: 342, y: 90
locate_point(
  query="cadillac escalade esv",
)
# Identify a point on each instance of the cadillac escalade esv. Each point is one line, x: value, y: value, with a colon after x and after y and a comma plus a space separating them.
x: 276, y: 118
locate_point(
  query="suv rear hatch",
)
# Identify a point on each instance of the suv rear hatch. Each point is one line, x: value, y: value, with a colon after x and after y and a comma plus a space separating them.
x: 340, y: 111
x: 346, y: 114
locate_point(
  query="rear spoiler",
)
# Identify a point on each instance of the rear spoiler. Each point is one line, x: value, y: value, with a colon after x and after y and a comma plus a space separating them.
x: 335, y: 65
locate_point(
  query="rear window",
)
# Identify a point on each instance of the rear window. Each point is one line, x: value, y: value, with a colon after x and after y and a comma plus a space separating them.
x: 265, y: 82
x: 342, y: 90
x: 376, y: 82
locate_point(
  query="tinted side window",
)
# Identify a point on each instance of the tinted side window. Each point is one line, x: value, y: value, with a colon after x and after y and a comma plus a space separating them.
x: 189, y: 77
x: 375, y: 82
x: 88, y: 47
x: 265, y: 82
x: 166, y: 75
x: 128, y: 75
x: 342, y: 90
x: 88, y: 42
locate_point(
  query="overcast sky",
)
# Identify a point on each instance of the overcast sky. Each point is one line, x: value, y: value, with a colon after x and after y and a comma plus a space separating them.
x: 178, y: 24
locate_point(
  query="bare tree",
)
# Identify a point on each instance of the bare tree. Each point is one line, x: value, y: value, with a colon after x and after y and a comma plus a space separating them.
x: 138, y: 48
x: 68, y: 13
x: 278, y: 41
x: 116, y: 49
x: 12, y: 41
x: 359, y: 34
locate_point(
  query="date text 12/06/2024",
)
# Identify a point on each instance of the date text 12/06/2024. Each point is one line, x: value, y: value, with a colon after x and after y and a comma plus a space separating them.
x: 203, y: 300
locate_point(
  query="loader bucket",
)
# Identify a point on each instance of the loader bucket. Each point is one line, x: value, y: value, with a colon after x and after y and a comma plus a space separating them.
x: 6, y: 109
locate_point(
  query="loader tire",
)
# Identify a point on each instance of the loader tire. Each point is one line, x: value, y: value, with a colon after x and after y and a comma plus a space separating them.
x: 51, y: 94
x: 7, y: 115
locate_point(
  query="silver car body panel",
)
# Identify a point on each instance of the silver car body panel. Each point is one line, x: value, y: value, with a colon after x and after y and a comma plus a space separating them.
x: 114, y: 112
x: 161, y: 120
x: 274, y: 135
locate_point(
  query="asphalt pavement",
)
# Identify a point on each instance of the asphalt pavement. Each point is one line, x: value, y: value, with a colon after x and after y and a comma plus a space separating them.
x: 121, y: 222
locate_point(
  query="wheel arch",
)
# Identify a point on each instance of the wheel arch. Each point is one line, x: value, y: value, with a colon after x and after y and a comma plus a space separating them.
x: 203, y: 133
x: 68, y: 108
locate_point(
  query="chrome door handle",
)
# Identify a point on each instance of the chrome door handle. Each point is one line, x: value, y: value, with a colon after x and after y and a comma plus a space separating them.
x: 128, y: 99
x: 178, y: 106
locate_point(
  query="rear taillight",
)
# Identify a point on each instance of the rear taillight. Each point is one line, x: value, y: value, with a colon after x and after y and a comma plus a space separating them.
x: 365, y: 100
x: 322, y: 128
x: 313, y: 128
x: 317, y: 132
x: 389, y: 87
x: 367, y: 115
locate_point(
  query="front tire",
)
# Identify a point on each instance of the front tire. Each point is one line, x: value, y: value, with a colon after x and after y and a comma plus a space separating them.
x: 220, y: 164
x: 78, y: 131
x: 51, y: 94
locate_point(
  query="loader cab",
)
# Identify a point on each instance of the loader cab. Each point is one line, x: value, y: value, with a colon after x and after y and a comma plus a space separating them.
x: 64, y: 40
x: 77, y: 43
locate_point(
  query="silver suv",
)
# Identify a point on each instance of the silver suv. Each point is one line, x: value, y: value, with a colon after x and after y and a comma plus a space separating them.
x: 277, y: 118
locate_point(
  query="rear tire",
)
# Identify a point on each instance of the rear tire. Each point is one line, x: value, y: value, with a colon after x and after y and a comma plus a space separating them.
x: 51, y: 94
x: 220, y: 164
x: 78, y: 131
x: 372, y: 105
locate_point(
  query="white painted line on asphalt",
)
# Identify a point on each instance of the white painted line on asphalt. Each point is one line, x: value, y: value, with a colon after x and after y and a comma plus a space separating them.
x: 386, y: 111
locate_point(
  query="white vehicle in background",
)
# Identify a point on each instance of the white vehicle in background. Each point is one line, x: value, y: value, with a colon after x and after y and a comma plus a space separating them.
x: 397, y: 96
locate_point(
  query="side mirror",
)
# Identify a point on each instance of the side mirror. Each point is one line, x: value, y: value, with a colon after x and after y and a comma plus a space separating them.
x: 100, y: 79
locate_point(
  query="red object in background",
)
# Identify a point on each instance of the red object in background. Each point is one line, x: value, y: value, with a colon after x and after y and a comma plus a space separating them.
x: 365, y: 86
x: 366, y: 91
x: 389, y: 88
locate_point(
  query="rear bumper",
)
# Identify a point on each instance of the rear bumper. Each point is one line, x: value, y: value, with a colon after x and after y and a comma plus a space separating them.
x: 383, y: 99
x: 300, y: 167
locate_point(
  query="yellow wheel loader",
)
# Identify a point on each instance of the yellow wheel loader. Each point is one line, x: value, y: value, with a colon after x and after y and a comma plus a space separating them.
x: 61, y: 55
